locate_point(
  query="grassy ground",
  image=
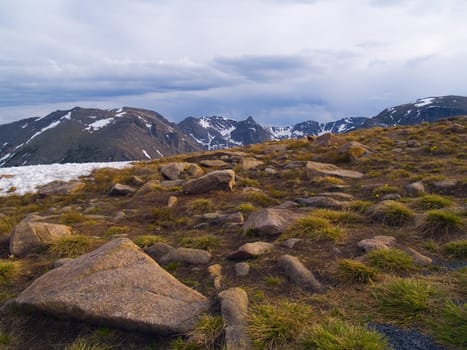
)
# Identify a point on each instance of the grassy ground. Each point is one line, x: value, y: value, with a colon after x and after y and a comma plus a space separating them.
x: 381, y: 287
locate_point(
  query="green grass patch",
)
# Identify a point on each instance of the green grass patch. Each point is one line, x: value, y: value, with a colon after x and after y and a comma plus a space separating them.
x: 350, y: 271
x: 390, y: 213
x: 82, y: 343
x: 451, y: 326
x: 340, y: 335
x: 72, y: 217
x: 144, y: 241
x: 246, y: 208
x: 7, y: 224
x: 116, y: 230
x: 315, y: 228
x: 277, y: 326
x: 456, y: 249
x: 360, y: 206
x: 8, y: 271
x: 338, y: 216
x: 209, y: 332
x: 433, y: 201
x: 200, y: 206
x: 70, y: 246
x: 5, y: 339
x: 442, y: 222
x: 405, y: 300
x: 206, y: 242
x: 391, y: 260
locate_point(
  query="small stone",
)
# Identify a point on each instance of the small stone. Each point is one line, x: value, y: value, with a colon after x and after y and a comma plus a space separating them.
x: 291, y: 242
x: 320, y: 202
x: 389, y: 240
x: 391, y: 197
x: 242, y: 269
x: 251, y: 250
x: 270, y: 171
x: 158, y: 250
x: 121, y: 190
x: 371, y: 244
x: 298, y: 273
x: 187, y: 256
x: 269, y: 221
x: 215, y: 271
x: 172, y: 201
x: 418, y: 257
x: 415, y: 189
x: 213, y: 163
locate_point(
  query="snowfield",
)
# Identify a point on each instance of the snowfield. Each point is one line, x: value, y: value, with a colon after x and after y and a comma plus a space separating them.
x: 27, y: 178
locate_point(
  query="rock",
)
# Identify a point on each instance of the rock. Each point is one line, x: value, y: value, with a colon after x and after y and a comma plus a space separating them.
x: 216, y: 180
x: 445, y: 186
x: 415, y: 189
x: 418, y: 257
x: 136, y: 181
x: 187, y: 256
x: 173, y: 171
x: 316, y: 168
x: 353, y: 150
x: 117, y: 285
x: 150, y: 186
x: 320, y: 202
x: 270, y: 171
x: 251, y: 250
x: 291, y: 242
x: 270, y: 221
x: 338, y: 195
x: 327, y: 140
x: 288, y: 205
x: 168, y: 184
x: 242, y: 269
x: 234, y: 308
x: 172, y: 201
x: 61, y: 187
x: 295, y: 164
x: 298, y: 273
x: 215, y: 271
x: 391, y: 197
x: 29, y: 235
x: 213, y: 163
x: 61, y: 262
x: 413, y: 143
x: 250, y: 163
x: 121, y: 190
x: 377, y: 242
x: 158, y: 250
x: 224, y: 219
x: 120, y: 215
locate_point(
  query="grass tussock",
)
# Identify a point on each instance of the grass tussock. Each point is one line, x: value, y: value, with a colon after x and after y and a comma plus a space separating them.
x: 275, y: 326
x: 338, y: 216
x: 246, y: 208
x: 456, y: 249
x: 338, y: 335
x: 451, y: 325
x: 350, y: 272
x: 206, y: 242
x: 391, y: 260
x: 70, y: 246
x: 8, y: 272
x: 405, y: 300
x: 82, y: 343
x: 390, y: 213
x: 360, y: 206
x: 433, y: 201
x: 314, y: 228
x: 200, y: 206
x: 144, y: 241
x: 440, y: 223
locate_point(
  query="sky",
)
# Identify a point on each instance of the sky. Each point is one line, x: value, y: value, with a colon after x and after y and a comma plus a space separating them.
x: 280, y: 61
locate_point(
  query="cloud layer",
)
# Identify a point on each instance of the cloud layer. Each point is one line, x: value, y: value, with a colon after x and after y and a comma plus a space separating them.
x: 280, y: 61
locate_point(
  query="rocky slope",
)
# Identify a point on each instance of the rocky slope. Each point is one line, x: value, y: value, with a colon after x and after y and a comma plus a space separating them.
x: 88, y: 135
x: 269, y: 246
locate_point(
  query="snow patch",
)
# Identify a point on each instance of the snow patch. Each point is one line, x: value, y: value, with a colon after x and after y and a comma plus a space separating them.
x: 424, y: 101
x: 146, y: 154
x: 27, y: 178
x: 67, y: 116
x: 25, y: 125
x: 204, y: 123
x: 159, y: 153
x: 99, y: 124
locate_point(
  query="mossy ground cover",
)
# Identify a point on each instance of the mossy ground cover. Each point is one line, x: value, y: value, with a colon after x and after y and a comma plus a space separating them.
x: 395, y: 291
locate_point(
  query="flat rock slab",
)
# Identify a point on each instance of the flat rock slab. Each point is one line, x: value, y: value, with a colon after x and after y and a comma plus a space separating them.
x: 299, y: 273
x: 320, y: 202
x: 317, y: 168
x: 216, y: 180
x: 121, y: 190
x: 187, y: 256
x: 271, y: 221
x: 117, y: 285
x: 251, y: 250
x: 28, y: 235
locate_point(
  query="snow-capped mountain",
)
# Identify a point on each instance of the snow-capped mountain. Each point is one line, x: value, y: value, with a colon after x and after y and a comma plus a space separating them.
x: 91, y: 135
x: 426, y: 109
x: 219, y: 132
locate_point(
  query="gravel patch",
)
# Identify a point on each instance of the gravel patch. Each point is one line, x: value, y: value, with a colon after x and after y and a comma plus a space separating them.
x: 406, y: 339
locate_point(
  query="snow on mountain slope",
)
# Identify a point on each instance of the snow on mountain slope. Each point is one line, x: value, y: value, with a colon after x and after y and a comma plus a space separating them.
x: 27, y: 178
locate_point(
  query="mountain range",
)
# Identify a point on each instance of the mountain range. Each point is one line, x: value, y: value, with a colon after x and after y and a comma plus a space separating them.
x: 89, y: 135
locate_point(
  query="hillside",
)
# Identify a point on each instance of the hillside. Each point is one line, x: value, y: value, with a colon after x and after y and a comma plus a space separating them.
x: 91, y: 135
x: 356, y: 241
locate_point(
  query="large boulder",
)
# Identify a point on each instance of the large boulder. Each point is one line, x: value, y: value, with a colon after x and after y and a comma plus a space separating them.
x: 316, y: 169
x: 271, y: 221
x: 216, y: 180
x: 173, y: 171
x: 327, y: 140
x: 117, y: 285
x: 29, y: 235
x: 352, y: 151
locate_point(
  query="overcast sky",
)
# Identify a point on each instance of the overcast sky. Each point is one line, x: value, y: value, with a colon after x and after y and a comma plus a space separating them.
x: 281, y: 61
